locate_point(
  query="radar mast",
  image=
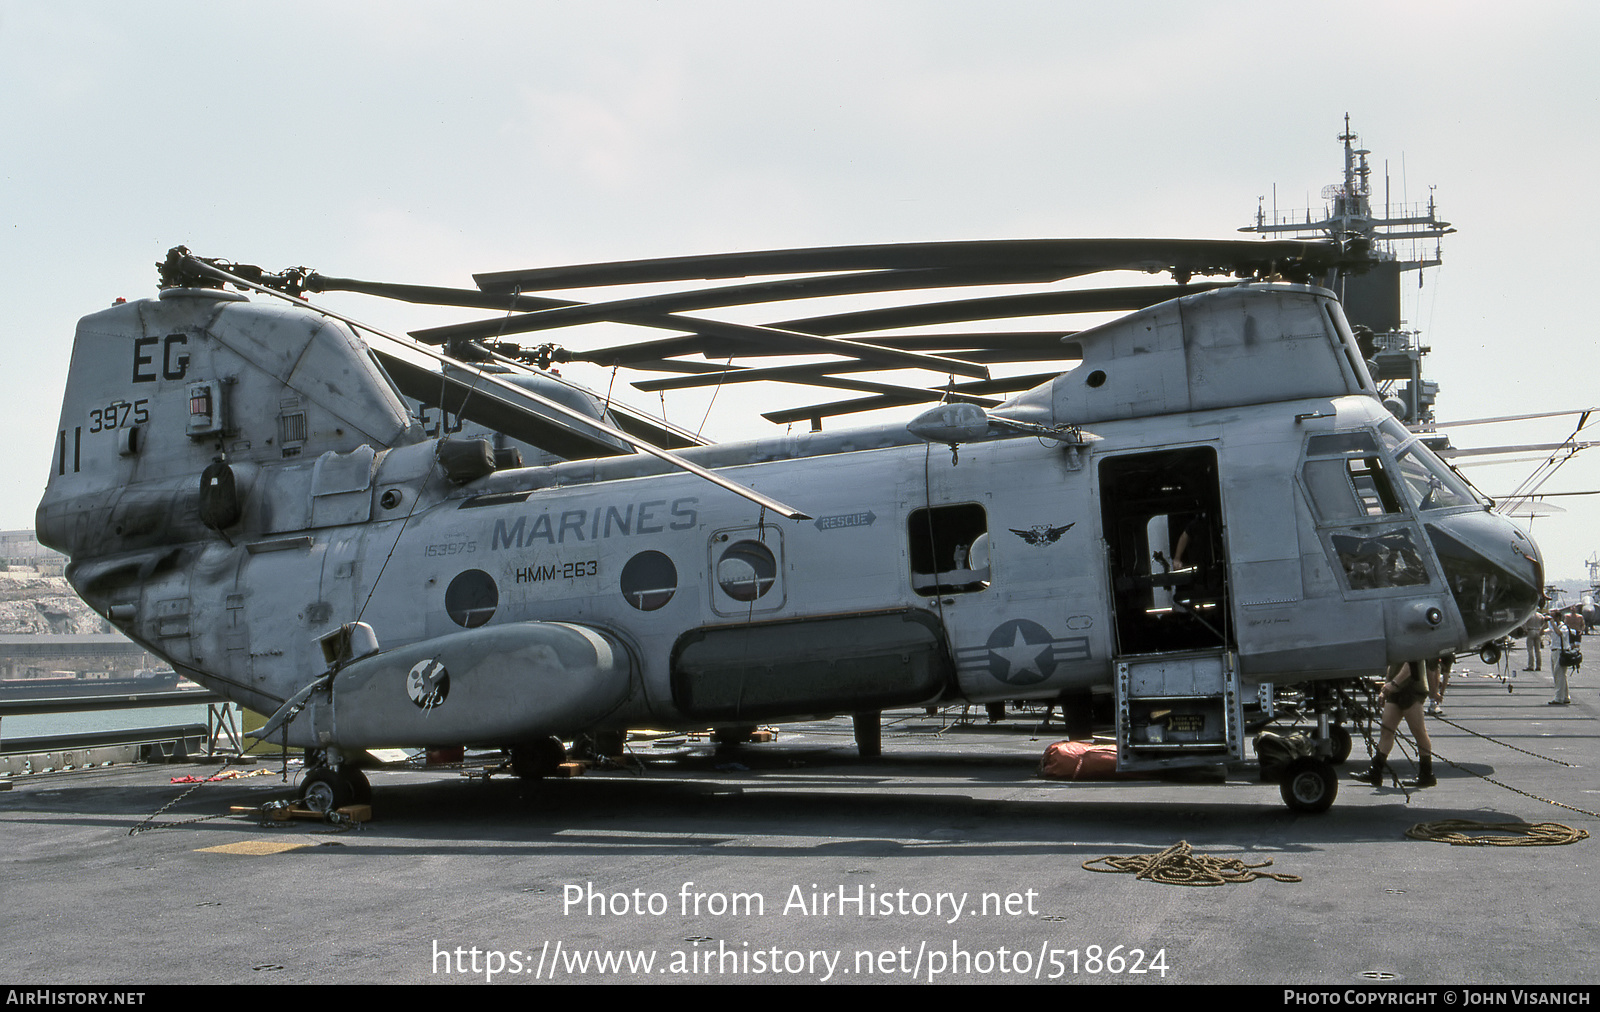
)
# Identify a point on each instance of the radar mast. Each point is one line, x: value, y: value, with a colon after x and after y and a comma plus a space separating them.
x: 1397, y: 242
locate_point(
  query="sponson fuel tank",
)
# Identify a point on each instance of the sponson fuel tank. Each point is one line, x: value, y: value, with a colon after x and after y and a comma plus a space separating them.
x: 509, y: 683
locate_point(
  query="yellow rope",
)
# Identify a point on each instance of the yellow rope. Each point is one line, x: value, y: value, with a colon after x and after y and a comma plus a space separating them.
x: 1180, y: 865
x: 1518, y: 834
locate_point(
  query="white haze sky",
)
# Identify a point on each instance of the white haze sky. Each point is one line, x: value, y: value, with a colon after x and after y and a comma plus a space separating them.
x: 420, y: 142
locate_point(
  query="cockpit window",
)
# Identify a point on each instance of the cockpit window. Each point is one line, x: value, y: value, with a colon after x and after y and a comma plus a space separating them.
x: 1491, y: 599
x: 1372, y: 485
x: 1433, y: 485
x: 1328, y: 485
x: 1358, y: 441
x: 1375, y: 558
x: 1362, y: 484
x: 1429, y: 481
x: 1350, y: 487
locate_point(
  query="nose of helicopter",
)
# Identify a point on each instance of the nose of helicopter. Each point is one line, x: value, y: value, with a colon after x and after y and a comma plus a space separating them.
x: 1494, y: 570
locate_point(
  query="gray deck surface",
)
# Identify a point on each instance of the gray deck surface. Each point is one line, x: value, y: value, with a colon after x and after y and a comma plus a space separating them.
x: 452, y: 864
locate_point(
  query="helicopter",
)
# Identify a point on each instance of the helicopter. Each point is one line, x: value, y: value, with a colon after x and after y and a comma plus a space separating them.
x: 1212, y: 499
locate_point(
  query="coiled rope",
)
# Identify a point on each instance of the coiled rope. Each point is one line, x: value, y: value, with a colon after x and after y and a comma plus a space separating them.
x: 1180, y: 865
x: 1513, y: 834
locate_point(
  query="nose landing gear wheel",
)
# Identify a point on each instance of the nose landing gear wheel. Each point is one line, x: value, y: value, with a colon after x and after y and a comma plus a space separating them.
x: 1309, y: 785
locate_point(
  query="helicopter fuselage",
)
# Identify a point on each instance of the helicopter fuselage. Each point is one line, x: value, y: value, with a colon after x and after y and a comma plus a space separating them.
x: 239, y: 487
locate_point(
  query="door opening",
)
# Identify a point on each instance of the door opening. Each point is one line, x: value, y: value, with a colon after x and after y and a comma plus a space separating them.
x: 1162, y: 517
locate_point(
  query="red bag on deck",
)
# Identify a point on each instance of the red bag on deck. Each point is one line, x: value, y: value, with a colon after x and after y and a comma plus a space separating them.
x: 1079, y: 760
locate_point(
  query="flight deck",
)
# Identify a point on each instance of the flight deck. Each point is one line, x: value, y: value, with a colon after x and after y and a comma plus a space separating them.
x: 945, y: 860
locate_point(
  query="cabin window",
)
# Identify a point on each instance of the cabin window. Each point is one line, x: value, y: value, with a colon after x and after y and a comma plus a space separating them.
x: 747, y: 570
x: 949, y: 549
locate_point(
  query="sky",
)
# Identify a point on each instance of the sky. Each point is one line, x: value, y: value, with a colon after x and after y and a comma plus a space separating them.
x: 422, y: 142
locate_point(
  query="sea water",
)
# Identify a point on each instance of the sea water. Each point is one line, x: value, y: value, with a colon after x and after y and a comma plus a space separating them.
x: 30, y: 725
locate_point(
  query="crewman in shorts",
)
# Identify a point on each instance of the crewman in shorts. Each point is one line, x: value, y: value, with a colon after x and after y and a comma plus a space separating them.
x: 1403, y: 695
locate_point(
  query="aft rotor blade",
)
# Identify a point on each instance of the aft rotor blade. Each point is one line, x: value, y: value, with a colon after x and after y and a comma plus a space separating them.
x: 428, y: 295
x: 657, y: 431
x: 511, y: 394
x: 427, y: 386
x: 458, y: 396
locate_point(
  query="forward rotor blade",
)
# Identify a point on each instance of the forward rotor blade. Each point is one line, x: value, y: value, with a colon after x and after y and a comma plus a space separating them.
x: 817, y: 412
x: 1068, y: 257
x: 917, y: 394
x: 926, y: 314
x: 1050, y: 343
x: 811, y: 374
x: 1099, y: 300
x: 782, y: 341
x: 623, y: 310
x: 1452, y: 452
x: 739, y: 374
x: 1511, y: 418
x: 1045, y: 346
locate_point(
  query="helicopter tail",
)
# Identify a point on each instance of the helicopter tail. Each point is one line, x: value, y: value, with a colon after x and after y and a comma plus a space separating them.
x: 174, y: 404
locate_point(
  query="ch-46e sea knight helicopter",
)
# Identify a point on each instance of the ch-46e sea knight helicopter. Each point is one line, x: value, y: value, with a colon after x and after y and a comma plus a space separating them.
x: 1213, y: 498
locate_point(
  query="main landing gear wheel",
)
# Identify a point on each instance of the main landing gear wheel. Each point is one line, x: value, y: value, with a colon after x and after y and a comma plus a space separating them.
x: 1339, y: 738
x: 537, y: 759
x: 1309, y: 785
x: 328, y: 789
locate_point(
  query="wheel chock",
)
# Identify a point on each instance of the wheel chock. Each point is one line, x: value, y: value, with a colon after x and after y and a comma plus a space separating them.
x: 279, y: 811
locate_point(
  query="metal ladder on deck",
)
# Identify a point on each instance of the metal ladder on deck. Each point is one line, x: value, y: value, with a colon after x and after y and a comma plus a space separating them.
x: 1178, y: 710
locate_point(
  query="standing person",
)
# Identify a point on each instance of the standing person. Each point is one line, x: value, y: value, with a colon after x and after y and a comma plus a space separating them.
x: 1402, y: 696
x: 1562, y: 654
x: 1438, y: 683
x: 1534, y: 631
